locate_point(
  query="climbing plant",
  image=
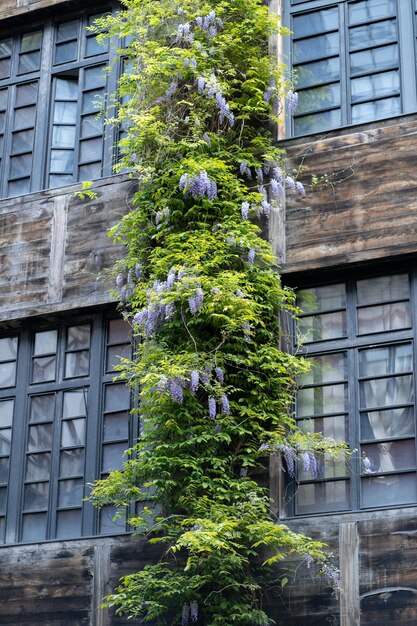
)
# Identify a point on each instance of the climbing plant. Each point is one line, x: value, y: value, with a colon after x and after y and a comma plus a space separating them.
x: 201, y: 288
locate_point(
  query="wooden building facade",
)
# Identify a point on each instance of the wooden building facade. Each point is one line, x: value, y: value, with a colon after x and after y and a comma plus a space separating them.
x: 349, y: 248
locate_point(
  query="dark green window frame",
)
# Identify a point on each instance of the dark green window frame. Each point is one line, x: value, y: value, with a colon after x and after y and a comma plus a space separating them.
x: 355, y: 61
x: 360, y: 335
x: 64, y: 422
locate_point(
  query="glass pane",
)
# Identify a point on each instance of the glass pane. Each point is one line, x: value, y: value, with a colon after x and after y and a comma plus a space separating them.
x: 118, y: 331
x: 373, y: 34
x: 387, y: 391
x: 5, y: 68
x: 3, y: 500
x: 389, y: 490
x: 6, y: 413
x: 4, y: 470
x: 67, y: 30
x: 62, y: 160
x: 65, y: 52
x: 116, y: 426
x: 114, y: 354
x: 72, y: 462
x: 22, y: 141
x: 108, y: 523
x: 391, y: 456
x: 38, y: 466
x: 93, y: 101
x: 323, y: 497
x: 6, y: 47
x: 65, y: 113
x: 7, y: 374
x: 91, y: 125
x: 388, y: 360
x: 369, y: 10
x: 69, y: 524
x: 322, y: 298
x: 117, y: 397
x: 43, y: 369
x: 71, y: 493
x: 89, y: 172
x: 322, y: 327
x: 317, y: 22
x: 19, y: 187
x: 42, y: 408
x: 77, y: 364
x: 324, y: 369
x: 5, y: 441
x: 36, y: 496
x: 78, y: 337
x: 335, y: 427
x: 59, y: 180
x: 313, y: 73
x: 383, y: 289
x: 113, y: 456
x: 26, y: 94
x: 73, y: 433
x: 388, y: 424
x: 326, y: 468
x: 40, y: 437
x: 29, y: 62
x: 93, y: 47
x: 94, y: 77
x: 390, y: 107
x: 91, y: 150
x: 3, y: 99
x: 2, y: 122
x: 8, y: 348
x: 316, y: 48
x: 384, y: 317
x: 75, y: 403
x: 63, y: 137
x: 34, y: 527
x: 317, y: 400
x: 318, y: 98
x: 21, y: 165
x: 24, y: 117
x: 376, y: 86
x: 374, y: 59
x: 66, y: 89
x: 31, y: 41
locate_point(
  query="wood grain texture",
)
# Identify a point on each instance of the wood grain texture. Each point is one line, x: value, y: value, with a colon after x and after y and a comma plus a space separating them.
x: 369, y: 211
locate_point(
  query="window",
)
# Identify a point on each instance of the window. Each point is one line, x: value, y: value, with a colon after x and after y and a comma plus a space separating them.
x: 52, y: 90
x: 359, y: 336
x: 63, y: 423
x: 355, y: 61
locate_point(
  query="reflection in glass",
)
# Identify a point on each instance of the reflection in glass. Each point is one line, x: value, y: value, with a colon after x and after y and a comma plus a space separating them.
x: 383, y: 289
x: 43, y: 369
x: 323, y: 298
x: 65, y: 52
x: 93, y: 101
x: 369, y: 111
x: 5, y: 441
x: 75, y: 403
x: 65, y: 113
x: 26, y: 94
x: 34, y: 527
x: 109, y: 523
x: 7, y: 374
x: 22, y: 141
x: 322, y: 497
x: 118, y: 331
x: 312, y: 73
x: 94, y: 48
x: 373, y: 34
x: 335, y: 427
x: 5, y: 68
x: 322, y: 327
x: 387, y: 360
x: 42, y: 408
x: 387, y: 391
x: 388, y: 423
x: 116, y: 426
x: 63, y: 136
x: 389, y: 490
x: 117, y: 397
x: 324, y: 369
x: 36, y: 496
x: 69, y: 524
x: 71, y: 493
x: 38, y: 466
x: 67, y: 30
x: 73, y: 433
x: 66, y: 89
x: 374, y: 59
x: 72, y: 462
x: 40, y: 437
x: 322, y: 97
x: 4, y: 470
x: 62, y: 161
x: 91, y: 125
x: 6, y: 412
x: 78, y: 337
x: 29, y: 62
x: 95, y: 77
x: 24, y: 117
x: 375, y: 86
x: 318, y: 400
x: 77, y: 364
x: 114, y: 354
x: 316, y: 47
x: 31, y: 41
x: 317, y: 22
x: 368, y: 10
x: 113, y: 456
x: 45, y: 342
x: 91, y: 150
x: 6, y: 46
x: 384, y: 317
x: 20, y: 165
x: 391, y: 456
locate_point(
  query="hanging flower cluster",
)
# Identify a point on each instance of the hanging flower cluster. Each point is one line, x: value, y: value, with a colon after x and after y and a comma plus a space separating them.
x: 198, y: 186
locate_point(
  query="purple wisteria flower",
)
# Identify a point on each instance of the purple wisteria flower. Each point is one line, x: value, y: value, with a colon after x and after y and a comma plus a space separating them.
x: 264, y: 447
x: 120, y: 280
x: 239, y: 293
x: 266, y: 209
x: 194, y: 611
x: 176, y: 391
x: 225, y: 405
x: 243, y: 472
x: 199, y: 21
x: 251, y: 255
x: 212, y: 407
x: 246, y: 331
x: 259, y: 174
x: 138, y: 270
x: 244, y: 170
x: 290, y: 183
x: 292, y: 101
x: 196, y: 302
x: 185, y: 617
x: 245, y: 210
x: 224, y: 108
x: 162, y: 384
x: 171, y: 89
x: 277, y: 174
x: 309, y: 462
x: 333, y: 576
x: 300, y: 188
x: 289, y: 455
x: 367, y: 465
x: 219, y: 374
x: 160, y: 215
x: 198, y: 186
x: 169, y: 311
x: 201, y: 84
x: 194, y: 381
x: 171, y: 278
x: 277, y: 190
x: 216, y: 291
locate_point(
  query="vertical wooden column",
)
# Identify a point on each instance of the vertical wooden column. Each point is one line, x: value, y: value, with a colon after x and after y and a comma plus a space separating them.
x: 58, y: 236
x: 100, y: 617
x: 349, y: 572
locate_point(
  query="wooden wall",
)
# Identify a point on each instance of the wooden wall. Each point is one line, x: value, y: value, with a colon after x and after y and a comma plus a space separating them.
x: 366, y: 210
x: 54, y: 249
x: 15, y: 8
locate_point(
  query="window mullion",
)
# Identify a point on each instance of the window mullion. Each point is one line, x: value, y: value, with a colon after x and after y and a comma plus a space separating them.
x: 407, y: 49
x: 344, y: 65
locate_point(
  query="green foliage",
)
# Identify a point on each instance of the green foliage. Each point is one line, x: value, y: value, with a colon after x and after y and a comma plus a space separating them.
x: 201, y: 287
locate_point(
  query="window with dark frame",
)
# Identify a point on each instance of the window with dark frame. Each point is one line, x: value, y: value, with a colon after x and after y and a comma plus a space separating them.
x: 354, y: 61
x: 64, y: 422
x: 359, y: 337
x: 53, y: 90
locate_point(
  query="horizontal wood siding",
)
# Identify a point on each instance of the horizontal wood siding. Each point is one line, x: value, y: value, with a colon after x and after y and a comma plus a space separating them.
x: 368, y: 208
